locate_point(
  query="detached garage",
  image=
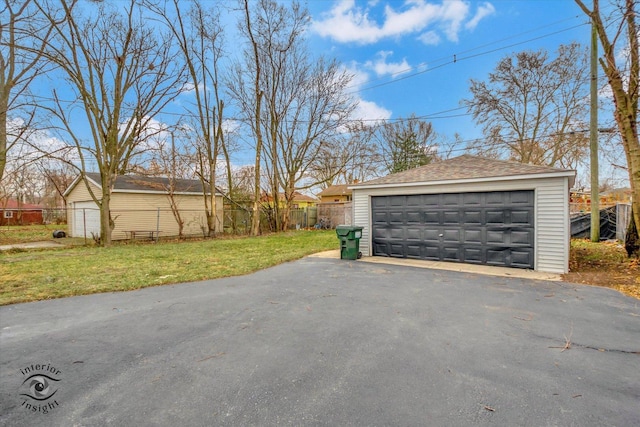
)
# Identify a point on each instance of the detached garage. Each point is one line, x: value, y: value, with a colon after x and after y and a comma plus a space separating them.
x: 139, y: 203
x: 471, y: 210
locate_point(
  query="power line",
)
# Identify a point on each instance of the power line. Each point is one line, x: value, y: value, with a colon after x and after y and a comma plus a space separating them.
x: 464, y: 58
x: 512, y: 37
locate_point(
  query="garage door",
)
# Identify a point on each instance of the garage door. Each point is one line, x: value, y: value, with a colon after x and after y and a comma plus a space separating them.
x: 493, y: 228
x: 86, y: 218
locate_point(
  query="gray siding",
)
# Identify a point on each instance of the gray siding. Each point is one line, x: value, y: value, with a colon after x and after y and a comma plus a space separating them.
x: 551, y: 213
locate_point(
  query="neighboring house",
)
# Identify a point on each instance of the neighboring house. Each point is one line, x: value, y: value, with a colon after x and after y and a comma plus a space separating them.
x: 139, y: 203
x: 335, y: 205
x: 13, y: 212
x: 581, y: 199
x: 335, y: 193
x: 300, y: 201
x: 471, y: 210
x: 617, y: 195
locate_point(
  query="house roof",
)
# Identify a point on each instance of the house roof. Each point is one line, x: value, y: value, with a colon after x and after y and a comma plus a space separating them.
x: 297, y: 197
x: 335, y: 190
x: 466, y: 168
x: 144, y: 184
x: 13, y: 204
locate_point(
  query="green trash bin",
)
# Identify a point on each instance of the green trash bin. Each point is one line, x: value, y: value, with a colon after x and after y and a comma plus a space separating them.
x: 349, y: 236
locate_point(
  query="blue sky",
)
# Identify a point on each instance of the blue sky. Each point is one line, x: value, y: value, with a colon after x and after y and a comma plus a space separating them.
x: 418, y: 56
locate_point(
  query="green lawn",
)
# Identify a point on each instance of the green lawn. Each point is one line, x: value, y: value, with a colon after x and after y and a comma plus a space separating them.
x: 38, y: 275
x: 28, y: 233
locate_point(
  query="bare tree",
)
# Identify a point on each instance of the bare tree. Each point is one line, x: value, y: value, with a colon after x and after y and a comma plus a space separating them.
x: 123, y: 72
x: 23, y: 36
x: 280, y: 29
x: 172, y: 160
x: 303, y: 101
x: 58, y: 176
x: 330, y: 163
x: 318, y: 113
x: 33, y: 159
x: 246, y: 90
x: 350, y: 157
x: 531, y: 107
x: 619, y: 36
x: 406, y: 143
x: 199, y: 36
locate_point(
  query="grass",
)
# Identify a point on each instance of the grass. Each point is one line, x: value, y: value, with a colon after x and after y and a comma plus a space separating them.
x: 28, y: 233
x: 32, y: 275
x: 38, y: 275
x: 603, y: 264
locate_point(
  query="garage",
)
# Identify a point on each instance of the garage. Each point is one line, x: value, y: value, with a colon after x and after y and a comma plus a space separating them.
x: 469, y: 210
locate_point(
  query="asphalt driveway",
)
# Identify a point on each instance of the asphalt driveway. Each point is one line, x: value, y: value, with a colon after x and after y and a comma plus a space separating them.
x: 326, y: 342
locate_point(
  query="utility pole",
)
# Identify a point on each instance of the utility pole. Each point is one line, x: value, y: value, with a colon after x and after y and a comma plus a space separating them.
x: 593, y: 139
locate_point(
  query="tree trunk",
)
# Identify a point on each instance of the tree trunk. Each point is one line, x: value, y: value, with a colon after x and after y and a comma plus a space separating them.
x: 625, y: 100
x: 212, y: 216
x: 105, y: 217
x: 4, y: 100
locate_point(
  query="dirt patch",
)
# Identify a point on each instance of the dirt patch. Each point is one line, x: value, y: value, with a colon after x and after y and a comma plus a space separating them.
x: 603, y: 264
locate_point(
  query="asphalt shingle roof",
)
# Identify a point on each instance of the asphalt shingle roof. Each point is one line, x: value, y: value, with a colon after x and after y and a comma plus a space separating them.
x: 135, y: 183
x: 335, y: 190
x: 460, y: 168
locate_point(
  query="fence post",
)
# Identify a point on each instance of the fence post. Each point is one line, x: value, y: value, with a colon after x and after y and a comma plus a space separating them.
x: 84, y: 224
x: 158, y: 225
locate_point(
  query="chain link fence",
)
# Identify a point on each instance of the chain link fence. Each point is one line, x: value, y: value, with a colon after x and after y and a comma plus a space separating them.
x: 154, y: 223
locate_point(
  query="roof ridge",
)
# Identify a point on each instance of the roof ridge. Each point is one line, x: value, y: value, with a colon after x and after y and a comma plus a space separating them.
x: 465, y: 167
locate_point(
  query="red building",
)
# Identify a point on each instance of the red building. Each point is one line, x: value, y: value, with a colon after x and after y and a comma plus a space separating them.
x: 14, y: 213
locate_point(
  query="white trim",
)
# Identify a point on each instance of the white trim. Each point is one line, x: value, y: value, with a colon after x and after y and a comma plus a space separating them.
x: 536, y: 229
x: 569, y: 173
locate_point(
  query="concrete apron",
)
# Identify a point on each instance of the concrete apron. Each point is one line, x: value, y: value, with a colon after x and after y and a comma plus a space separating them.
x: 451, y: 266
x: 32, y: 245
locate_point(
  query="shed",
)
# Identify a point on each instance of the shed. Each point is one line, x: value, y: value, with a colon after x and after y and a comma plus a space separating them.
x: 471, y: 210
x: 139, y: 203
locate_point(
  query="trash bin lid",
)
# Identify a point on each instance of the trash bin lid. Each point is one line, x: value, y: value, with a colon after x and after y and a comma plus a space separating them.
x: 343, y: 230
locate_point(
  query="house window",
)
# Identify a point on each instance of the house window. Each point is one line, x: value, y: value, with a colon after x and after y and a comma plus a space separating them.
x: 8, y: 214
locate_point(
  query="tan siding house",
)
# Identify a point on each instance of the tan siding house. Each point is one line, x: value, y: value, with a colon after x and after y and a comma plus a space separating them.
x: 335, y: 193
x: 139, y: 203
x: 473, y: 210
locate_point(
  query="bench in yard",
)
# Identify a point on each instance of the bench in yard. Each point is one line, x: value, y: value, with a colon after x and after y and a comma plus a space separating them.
x: 150, y: 234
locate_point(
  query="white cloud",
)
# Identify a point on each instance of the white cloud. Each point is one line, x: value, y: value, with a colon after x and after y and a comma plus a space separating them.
x: 370, y: 111
x: 365, y: 110
x: 33, y: 143
x: 429, y: 38
x: 484, y: 10
x: 453, y: 13
x: 190, y: 87
x: 381, y: 67
x: 230, y: 126
x: 360, y: 78
x: 348, y: 22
